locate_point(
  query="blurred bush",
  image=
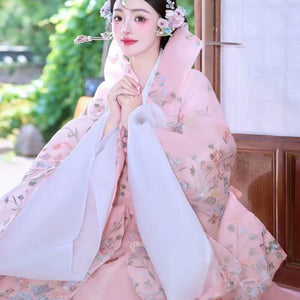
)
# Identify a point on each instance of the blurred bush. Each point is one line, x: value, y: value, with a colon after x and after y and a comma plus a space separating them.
x: 20, y: 24
x: 17, y: 109
x: 67, y: 64
x: 188, y: 5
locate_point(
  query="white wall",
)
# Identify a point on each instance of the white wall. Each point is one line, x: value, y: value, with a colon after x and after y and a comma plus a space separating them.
x: 260, y: 81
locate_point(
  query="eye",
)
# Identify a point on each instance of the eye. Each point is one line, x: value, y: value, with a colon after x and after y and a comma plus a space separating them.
x: 140, y: 19
x: 117, y: 18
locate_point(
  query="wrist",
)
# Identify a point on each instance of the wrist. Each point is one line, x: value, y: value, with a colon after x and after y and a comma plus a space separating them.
x: 113, y: 119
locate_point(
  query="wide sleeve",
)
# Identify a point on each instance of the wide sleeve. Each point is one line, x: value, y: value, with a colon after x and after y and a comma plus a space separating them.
x: 73, y: 179
x: 51, y: 156
x: 201, y: 150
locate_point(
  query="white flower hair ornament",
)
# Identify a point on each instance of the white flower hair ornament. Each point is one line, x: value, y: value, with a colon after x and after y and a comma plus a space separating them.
x: 174, y: 18
x: 105, y: 11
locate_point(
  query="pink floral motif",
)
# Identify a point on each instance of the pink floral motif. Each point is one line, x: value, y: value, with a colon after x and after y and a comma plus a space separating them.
x: 163, y: 23
x: 175, y: 18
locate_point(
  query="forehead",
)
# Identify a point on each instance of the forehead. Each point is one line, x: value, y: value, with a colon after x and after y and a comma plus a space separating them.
x: 133, y: 4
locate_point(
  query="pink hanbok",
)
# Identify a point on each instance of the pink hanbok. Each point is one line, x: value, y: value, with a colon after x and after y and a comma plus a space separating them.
x: 144, y: 214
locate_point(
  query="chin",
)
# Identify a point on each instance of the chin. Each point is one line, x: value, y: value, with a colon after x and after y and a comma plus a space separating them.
x: 131, y: 52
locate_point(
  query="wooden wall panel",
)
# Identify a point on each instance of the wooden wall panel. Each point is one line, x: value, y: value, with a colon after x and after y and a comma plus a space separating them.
x: 267, y: 171
x: 256, y: 178
x: 292, y: 164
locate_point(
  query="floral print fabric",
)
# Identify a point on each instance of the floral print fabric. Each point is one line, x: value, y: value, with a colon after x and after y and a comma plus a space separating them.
x: 201, y: 152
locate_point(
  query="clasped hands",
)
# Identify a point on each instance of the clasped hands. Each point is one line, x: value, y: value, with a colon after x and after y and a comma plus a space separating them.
x: 123, y: 98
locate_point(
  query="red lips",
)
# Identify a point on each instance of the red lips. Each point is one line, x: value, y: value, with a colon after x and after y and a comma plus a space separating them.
x: 128, y: 42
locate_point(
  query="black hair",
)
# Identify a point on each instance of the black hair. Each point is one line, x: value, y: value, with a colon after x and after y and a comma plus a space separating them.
x: 160, y: 8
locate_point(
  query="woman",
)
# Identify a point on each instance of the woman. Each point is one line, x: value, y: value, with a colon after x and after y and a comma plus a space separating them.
x: 141, y: 205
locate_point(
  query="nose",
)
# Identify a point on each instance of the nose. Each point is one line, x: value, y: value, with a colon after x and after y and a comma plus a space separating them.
x: 125, y: 27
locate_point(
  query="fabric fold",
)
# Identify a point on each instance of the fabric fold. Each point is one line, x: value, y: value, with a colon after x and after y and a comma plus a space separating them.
x: 166, y: 221
x: 57, y: 238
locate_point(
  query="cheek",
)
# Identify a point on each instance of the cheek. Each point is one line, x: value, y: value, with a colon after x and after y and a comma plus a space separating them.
x: 146, y: 28
x: 116, y: 28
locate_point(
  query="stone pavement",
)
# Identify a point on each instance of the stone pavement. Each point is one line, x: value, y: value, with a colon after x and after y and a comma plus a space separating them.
x: 12, y: 168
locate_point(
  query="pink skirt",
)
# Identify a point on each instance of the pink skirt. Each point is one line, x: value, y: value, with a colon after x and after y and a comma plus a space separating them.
x: 111, y: 281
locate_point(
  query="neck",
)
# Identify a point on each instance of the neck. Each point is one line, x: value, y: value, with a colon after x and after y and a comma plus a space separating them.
x: 143, y: 64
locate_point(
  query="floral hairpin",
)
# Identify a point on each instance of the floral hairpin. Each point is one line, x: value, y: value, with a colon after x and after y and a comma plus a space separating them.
x: 173, y: 19
x: 105, y: 36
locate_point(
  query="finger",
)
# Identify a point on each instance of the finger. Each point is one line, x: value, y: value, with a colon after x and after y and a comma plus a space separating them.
x: 123, y: 85
x: 128, y: 85
x: 131, y: 81
x: 123, y: 98
x: 124, y: 92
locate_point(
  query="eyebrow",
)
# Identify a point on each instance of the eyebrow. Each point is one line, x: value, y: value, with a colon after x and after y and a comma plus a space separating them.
x: 133, y: 10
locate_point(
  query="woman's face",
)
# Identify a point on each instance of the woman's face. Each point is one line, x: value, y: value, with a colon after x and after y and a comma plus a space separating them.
x: 134, y: 27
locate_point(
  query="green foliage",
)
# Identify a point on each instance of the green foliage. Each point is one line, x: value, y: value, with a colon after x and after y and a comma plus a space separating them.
x: 17, y: 108
x: 20, y: 23
x: 188, y: 5
x: 67, y: 64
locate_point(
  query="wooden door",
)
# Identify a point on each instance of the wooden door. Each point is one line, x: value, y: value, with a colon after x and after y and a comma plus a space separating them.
x: 267, y: 168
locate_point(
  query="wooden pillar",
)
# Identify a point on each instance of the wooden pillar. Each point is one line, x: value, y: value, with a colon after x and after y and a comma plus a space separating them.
x: 207, y: 28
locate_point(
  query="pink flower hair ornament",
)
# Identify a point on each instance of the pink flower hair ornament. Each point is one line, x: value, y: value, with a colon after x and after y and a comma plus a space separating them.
x: 174, y: 18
